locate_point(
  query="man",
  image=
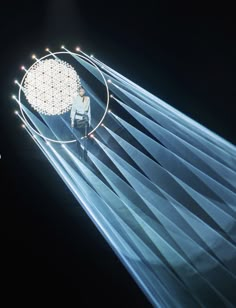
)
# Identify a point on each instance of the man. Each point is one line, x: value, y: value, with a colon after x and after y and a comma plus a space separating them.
x: 80, y: 116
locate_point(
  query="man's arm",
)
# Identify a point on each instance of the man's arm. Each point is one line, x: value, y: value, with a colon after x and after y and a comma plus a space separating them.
x: 72, y: 114
x: 89, y: 110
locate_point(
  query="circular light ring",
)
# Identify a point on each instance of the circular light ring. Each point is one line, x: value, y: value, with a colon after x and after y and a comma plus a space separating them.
x: 72, y: 54
x: 50, y: 86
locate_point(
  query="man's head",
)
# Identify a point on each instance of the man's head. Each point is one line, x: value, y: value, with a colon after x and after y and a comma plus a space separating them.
x: 81, y: 91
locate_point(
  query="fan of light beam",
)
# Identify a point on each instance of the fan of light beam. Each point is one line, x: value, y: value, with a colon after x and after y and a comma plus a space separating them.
x: 159, y: 186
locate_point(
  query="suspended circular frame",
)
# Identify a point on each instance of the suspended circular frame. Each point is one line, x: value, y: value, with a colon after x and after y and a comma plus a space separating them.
x: 72, y: 54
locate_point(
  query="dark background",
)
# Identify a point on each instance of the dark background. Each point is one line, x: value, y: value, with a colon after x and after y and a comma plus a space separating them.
x: 183, y: 53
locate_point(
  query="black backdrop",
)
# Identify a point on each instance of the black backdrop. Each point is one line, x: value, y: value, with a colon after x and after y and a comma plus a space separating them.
x: 185, y: 54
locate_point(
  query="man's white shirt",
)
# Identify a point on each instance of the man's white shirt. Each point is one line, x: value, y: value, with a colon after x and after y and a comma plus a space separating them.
x: 80, y: 105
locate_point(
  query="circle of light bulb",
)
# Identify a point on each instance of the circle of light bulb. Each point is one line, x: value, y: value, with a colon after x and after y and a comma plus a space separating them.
x: 51, y: 85
x: 21, y: 105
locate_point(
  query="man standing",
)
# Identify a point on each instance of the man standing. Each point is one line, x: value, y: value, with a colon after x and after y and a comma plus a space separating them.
x: 80, y: 114
x: 80, y: 111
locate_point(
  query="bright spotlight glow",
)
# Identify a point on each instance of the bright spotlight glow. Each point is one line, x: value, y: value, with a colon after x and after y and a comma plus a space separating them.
x: 46, y: 49
x: 23, y: 125
x: 22, y: 67
x: 91, y: 56
x: 111, y: 96
x: 109, y: 111
x: 51, y: 85
x: 33, y: 56
x: 92, y: 136
x: 16, y: 112
x: 77, y: 48
x: 109, y: 81
x: 13, y: 96
x: 34, y: 136
x: 102, y: 125
x: 15, y: 81
x: 62, y: 47
x: 48, y: 143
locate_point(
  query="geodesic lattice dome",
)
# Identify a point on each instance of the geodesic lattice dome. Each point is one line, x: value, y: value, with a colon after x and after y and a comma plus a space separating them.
x: 50, y: 86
